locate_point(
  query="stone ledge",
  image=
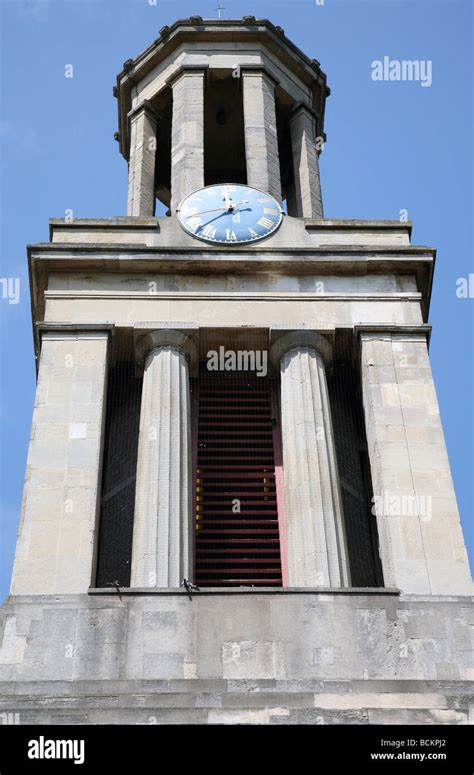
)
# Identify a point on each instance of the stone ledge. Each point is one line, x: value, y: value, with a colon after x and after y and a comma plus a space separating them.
x: 235, y: 702
x: 224, y: 591
x: 389, y: 329
x: 326, y: 689
x: 329, y: 224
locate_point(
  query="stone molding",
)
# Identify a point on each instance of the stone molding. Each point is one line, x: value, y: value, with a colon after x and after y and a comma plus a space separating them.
x: 382, y: 329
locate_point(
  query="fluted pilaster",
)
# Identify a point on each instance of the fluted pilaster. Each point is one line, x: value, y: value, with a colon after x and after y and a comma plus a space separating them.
x: 313, y: 513
x: 162, y: 551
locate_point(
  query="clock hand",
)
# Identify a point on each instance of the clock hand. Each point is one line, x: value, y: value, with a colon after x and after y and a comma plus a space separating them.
x: 228, y: 201
x: 216, y: 209
x: 214, y: 218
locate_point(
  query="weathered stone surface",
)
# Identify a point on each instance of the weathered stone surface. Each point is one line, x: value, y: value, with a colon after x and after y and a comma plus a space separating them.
x: 247, y: 636
x: 261, y: 140
x: 187, y: 139
x: 90, y: 660
x: 420, y: 535
x: 141, y: 168
x: 309, y: 203
x: 57, y: 531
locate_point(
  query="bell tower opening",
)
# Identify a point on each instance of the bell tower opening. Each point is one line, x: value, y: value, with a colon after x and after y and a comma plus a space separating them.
x: 238, y: 493
x: 224, y: 134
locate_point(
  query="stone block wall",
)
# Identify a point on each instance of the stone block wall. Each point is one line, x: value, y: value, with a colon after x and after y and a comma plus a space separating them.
x: 421, y: 540
x: 246, y: 657
x: 57, y: 534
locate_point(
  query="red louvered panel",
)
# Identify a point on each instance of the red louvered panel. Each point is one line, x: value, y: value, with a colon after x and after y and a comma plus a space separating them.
x: 237, y: 540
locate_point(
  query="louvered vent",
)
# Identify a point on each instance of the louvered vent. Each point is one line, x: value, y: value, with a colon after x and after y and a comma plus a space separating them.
x: 236, y: 516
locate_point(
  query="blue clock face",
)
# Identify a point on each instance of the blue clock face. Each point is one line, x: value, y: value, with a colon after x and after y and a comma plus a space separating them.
x: 230, y: 214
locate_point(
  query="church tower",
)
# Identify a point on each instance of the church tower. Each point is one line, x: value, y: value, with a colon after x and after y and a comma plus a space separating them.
x: 238, y: 505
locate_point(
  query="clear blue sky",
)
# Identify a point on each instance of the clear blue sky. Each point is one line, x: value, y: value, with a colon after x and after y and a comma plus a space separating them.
x: 391, y: 146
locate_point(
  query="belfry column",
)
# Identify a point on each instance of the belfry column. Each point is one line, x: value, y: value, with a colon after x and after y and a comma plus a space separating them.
x: 315, y: 536
x: 141, y: 167
x: 187, y: 134
x: 309, y: 203
x: 261, y: 138
x: 162, y: 530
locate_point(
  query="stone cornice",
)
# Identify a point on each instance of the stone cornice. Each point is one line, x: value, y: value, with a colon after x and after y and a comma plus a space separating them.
x: 214, y: 29
x: 242, y: 250
x: 389, y: 328
x: 44, y: 258
x: 237, y: 31
x: 395, y: 296
x: 45, y: 326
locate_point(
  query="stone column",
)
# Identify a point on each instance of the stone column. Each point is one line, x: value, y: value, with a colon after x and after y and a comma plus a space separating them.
x: 314, y: 523
x: 309, y: 202
x: 57, y: 535
x: 261, y: 138
x: 162, y: 530
x: 187, y: 135
x: 421, y: 543
x: 141, y: 167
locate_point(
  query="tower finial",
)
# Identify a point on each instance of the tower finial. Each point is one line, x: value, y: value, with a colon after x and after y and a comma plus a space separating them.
x: 219, y: 9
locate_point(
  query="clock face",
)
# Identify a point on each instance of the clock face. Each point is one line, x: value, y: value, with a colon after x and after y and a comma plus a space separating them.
x: 230, y: 214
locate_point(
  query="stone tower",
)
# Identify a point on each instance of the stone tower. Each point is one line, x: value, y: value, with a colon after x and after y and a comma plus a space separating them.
x: 301, y: 481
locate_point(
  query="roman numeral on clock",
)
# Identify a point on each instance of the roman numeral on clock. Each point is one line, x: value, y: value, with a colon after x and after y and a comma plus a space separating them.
x: 265, y: 222
x: 253, y: 233
x: 194, y: 224
x: 209, y: 232
x: 230, y: 235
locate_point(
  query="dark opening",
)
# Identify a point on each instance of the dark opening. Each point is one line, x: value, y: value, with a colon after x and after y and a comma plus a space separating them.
x: 344, y: 387
x: 163, y: 144
x: 285, y: 153
x: 118, y: 475
x: 224, y: 136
